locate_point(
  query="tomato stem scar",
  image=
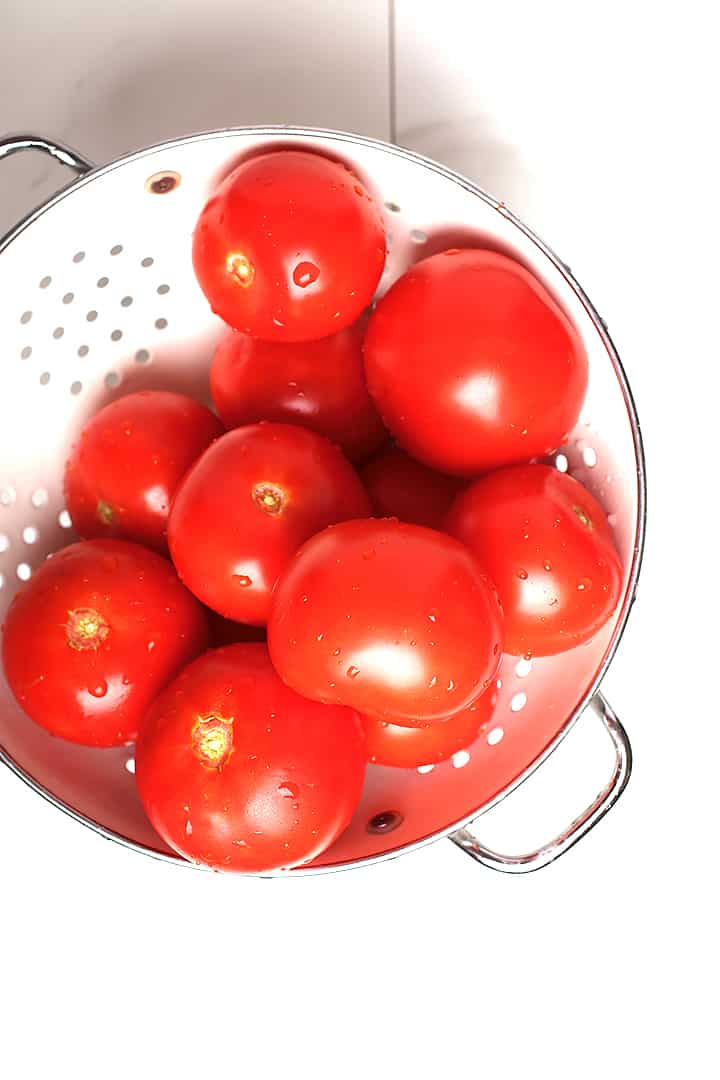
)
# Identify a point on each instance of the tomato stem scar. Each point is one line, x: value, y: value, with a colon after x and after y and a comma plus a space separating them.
x: 86, y: 629
x: 105, y: 512
x: 240, y: 267
x: 269, y: 498
x: 212, y: 740
x: 580, y: 513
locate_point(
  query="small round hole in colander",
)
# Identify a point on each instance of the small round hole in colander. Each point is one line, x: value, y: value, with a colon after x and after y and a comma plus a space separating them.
x: 96, y: 304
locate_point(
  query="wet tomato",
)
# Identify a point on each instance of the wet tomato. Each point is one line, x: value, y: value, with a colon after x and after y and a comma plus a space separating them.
x: 238, y: 772
x: 410, y: 747
x: 472, y: 364
x: 401, y: 487
x: 246, y: 506
x: 394, y: 620
x: 126, y: 466
x: 546, y: 543
x: 92, y: 638
x: 319, y: 385
x: 290, y: 247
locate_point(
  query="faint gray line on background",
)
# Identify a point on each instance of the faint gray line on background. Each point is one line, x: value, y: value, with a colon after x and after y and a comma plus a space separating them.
x: 392, y: 76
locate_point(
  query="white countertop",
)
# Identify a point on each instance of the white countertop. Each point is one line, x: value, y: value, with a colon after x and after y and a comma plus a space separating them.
x: 597, y: 125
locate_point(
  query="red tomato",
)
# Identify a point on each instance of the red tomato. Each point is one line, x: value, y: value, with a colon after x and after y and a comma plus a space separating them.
x: 472, y: 364
x: 290, y: 247
x: 96, y: 633
x: 125, y: 467
x: 391, y: 619
x: 409, y: 747
x: 401, y: 487
x: 246, y: 506
x: 547, y: 545
x: 317, y: 384
x: 239, y: 772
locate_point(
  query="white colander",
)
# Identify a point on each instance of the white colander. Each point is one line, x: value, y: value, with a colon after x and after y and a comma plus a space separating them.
x: 99, y: 299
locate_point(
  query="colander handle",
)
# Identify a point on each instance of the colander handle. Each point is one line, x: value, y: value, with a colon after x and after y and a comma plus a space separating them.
x: 534, y: 860
x: 13, y: 144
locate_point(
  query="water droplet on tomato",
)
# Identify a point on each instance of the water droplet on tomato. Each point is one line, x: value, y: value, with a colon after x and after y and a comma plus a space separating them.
x: 188, y: 828
x: 150, y: 646
x: 306, y: 273
x: 288, y: 790
x: 99, y: 690
x: 522, y: 574
x: 242, y: 580
x: 547, y: 566
x: 585, y: 585
x: 433, y: 682
x: 352, y: 672
x: 336, y: 652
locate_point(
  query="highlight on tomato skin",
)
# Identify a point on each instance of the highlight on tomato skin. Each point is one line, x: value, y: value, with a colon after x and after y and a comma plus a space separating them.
x: 318, y: 385
x: 546, y: 542
x: 412, y: 747
x: 237, y: 772
x: 290, y: 247
x: 473, y: 364
x: 394, y: 620
x: 94, y: 635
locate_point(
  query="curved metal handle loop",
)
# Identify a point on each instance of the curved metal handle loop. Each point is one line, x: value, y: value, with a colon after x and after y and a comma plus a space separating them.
x: 65, y: 155
x: 534, y: 860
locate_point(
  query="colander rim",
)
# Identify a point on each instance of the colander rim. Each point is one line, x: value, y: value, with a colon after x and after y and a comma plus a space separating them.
x: 600, y: 326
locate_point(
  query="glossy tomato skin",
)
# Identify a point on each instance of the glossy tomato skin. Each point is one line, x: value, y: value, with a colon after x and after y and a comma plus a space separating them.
x: 128, y: 462
x: 239, y: 773
x: 401, y: 487
x: 410, y: 747
x: 93, y: 637
x: 472, y: 364
x: 547, y: 545
x: 246, y: 506
x: 319, y: 385
x: 290, y: 247
x: 393, y: 620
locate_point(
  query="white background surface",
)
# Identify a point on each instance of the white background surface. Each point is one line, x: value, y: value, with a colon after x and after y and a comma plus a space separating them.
x: 597, y: 125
